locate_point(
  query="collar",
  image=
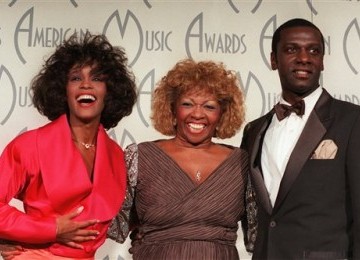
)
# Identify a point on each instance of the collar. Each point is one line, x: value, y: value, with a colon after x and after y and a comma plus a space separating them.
x: 309, y: 100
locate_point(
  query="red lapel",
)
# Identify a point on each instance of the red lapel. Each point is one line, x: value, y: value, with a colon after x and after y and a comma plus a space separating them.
x: 66, y: 180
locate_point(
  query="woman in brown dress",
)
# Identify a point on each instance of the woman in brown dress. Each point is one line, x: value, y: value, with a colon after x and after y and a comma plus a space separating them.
x: 187, y: 193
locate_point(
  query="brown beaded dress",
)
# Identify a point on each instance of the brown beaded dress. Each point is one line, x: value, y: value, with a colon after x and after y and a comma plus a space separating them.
x: 177, y: 218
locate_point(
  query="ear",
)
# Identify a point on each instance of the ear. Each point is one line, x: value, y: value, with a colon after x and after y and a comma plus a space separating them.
x: 273, y: 61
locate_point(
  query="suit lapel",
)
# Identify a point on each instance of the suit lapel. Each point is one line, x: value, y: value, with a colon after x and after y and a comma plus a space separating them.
x: 313, y: 132
x: 257, y: 177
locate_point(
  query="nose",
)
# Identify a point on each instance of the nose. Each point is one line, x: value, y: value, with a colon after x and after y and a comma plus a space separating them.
x: 303, y: 56
x: 197, y: 112
x: 86, y: 83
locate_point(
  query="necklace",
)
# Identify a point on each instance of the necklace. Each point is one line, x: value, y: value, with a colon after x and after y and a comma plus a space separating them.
x: 86, y: 145
x: 198, y: 176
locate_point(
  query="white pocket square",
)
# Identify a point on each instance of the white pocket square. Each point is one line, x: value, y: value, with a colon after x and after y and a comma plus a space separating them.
x: 327, y: 149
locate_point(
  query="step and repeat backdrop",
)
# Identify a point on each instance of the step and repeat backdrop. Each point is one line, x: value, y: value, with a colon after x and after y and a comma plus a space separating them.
x: 158, y: 33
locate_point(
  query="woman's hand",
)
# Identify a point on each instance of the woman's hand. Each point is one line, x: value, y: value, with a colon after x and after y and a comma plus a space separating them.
x: 70, y: 232
x: 9, y: 251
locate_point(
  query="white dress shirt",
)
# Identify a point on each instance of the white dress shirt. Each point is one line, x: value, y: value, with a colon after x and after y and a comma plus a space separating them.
x: 280, y: 140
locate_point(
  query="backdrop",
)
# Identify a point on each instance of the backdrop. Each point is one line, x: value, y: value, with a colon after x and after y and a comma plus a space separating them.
x: 155, y: 35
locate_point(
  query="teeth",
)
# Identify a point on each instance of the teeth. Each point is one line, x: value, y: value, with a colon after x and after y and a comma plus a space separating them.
x: 196, y: 126
x: 301, y: 72
x: 86, y: 97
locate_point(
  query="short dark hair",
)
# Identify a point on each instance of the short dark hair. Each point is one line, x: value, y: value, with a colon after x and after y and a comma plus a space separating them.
x: 49, y: 85
x: 296, y: 22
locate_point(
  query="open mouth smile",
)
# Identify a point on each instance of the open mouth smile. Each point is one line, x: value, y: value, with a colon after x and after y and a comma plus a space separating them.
x: 86, y: 99
x: 196, y: 127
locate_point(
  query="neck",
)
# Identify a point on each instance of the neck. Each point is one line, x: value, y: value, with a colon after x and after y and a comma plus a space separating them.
x: 184, y: 144
x: 84, y: 135
x: 293, y: 97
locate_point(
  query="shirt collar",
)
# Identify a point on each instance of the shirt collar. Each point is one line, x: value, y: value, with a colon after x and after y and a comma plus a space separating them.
x: 309, y: 100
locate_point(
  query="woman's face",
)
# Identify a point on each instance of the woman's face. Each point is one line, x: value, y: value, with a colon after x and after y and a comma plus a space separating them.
x: 197, y: 115
x: 85, y: 94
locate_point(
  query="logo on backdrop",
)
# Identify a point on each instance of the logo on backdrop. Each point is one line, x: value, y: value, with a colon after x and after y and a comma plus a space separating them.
x: 147, y: 4
x: 253, y: 90
x: 265, y: 40
x: 237, y: 10
x: 352, y: 30
x: 348, y: 97
x: 126, y: 137
x: 27, y: 35
x: 210, y: 42
x: 7, y: 86
x: 311, y: 7
x: 144, y: 96
x: 73, y: 2
x: 130, y: 31
x: 259, y: 2
x: 12, y: 3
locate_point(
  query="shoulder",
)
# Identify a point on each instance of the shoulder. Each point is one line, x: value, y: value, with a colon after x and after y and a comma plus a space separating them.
x: 345, y: 106
x: 236, y: 151
x: 137, y: 147
x: 131, y: 160
x: 111, y: 144
x: 151, y: 146
x: 227, y: 146
x: 24, y: 139
x: 253, y: 127
x: 259, y: 121
x: 336, y: 106
x: 131, y: 150
x: 22, y: 146
x: 237, y: 154
x: 341, y: 111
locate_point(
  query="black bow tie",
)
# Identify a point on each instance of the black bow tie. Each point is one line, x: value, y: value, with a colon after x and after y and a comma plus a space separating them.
x: 283, y: 110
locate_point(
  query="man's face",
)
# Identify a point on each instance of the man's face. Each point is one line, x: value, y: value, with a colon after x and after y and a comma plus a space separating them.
x: 299, y: 61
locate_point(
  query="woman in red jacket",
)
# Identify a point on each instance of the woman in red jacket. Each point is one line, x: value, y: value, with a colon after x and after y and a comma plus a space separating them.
x: 66, y: 172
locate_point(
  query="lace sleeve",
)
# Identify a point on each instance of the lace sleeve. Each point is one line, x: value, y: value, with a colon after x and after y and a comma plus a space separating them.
x: 120, y: 225
x: 251, y: 217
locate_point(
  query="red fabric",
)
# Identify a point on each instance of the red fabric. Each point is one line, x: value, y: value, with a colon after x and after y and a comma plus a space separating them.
x: 41, y: 254
x: 44, y: 169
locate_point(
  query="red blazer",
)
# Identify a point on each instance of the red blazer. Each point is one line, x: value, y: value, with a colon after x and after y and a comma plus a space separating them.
x: 44, y: 169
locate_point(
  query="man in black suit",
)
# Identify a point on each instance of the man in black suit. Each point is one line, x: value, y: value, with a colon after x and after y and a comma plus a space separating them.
x: 305, y: 168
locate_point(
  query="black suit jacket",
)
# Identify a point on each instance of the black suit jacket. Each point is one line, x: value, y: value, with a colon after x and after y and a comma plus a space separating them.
x: 317, y: 211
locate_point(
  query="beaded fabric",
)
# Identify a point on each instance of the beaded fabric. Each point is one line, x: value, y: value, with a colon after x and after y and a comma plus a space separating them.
x: 251, y: 216
x: 120, y: 226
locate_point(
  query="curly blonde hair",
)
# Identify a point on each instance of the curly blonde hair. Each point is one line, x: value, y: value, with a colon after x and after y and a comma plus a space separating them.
x: 199, y: 77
